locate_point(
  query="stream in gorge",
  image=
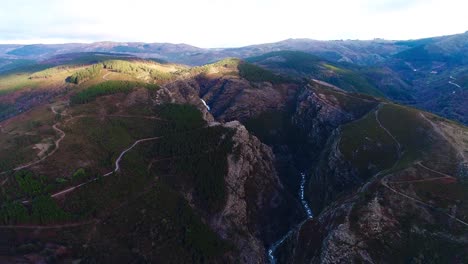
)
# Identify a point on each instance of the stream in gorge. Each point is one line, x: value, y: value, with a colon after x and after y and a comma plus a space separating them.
x: 308, y: 211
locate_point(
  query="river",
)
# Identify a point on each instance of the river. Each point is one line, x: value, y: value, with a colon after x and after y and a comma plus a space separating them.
x: 308, y: 212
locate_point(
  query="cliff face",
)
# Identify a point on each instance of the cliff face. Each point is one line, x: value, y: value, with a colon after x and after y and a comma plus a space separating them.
x: 254, y: 193
x: 407, y: 212
x: 234, y: 98
x: 359, y: 218
x: 320, y: 110
x: 319, y: 114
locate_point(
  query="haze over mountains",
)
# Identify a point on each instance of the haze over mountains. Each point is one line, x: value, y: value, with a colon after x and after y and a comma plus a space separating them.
x: 299, y: 151
x: 427, y: 73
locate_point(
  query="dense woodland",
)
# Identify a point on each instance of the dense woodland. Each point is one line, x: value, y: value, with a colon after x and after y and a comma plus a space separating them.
x: 106, y: 88
x: 196, y: 155
x: 85, y: 74
x: 41, y: 209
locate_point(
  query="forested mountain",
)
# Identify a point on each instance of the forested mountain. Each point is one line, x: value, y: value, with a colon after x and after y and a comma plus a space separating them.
x: 297, y: 152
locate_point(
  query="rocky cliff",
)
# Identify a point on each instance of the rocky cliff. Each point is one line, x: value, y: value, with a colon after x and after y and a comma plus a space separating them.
x: 254, y: 193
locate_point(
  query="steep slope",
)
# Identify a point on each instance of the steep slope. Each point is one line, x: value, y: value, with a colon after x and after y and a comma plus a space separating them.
x: 119, y: 170
x: 304, y: 65
x: 117, y: 184
x: 372, y: 170
x: 408, y: 210
x: 26, y: 87
x: 435, y: 70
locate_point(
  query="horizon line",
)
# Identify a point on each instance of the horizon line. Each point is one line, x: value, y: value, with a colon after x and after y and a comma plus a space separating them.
x: 226, y: 47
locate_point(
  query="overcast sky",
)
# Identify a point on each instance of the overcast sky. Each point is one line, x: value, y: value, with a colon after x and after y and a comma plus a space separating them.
x: 226, y: 23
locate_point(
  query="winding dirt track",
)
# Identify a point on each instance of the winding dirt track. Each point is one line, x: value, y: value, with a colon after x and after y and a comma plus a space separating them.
x: 63, y: 134
x: 32, y: 163
x: 117, y: 168
x: 105, y: 76
x: 384, y: 180
x: 48, y: 226
x: 386, y: 131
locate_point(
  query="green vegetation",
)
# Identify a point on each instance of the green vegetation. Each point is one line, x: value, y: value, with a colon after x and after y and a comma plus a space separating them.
x: 300, y: 64
x: 43, y: 209
x: 198, y: 155
x: 227, y: 66
x: 107, y: 139
x: 79, y: 175
x: 106, y: 88
x: 136, y: 68
x: 162, y: 227
x: 356, y: 83
x: 409, y: 128
x: 199, y: 159
x: 13, y: 82
x: 48, y: 73
x: 254, y: 73
x: 12, y: 213
x: 295, y: 60
x: 28, y: 185
x: 180, y: 117
x: 367, y: 146
x: 85, y: 74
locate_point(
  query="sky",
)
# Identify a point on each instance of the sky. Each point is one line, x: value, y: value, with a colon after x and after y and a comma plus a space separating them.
x: 226, y: 23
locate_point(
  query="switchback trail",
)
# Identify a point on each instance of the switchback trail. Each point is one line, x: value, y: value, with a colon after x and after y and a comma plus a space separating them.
x: 384, y: 181
x: 117, y: 168
x: 388, y: 132
x: 63, y: 134
x: 57, y: 145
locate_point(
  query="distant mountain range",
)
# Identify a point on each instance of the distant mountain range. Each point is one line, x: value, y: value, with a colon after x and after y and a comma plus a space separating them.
x: 299, y: 151
x: 284, y: 157
x: 352, y: 51
x: 429, y: 73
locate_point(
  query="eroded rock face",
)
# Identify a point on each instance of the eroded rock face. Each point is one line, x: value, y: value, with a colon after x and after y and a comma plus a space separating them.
x: 233, y: 98
x: 318, y: 112
x: 332, y: 176
x: 376, y: 225
x: 184, y: 91
x: 254, y: 193
x: 252, y: 187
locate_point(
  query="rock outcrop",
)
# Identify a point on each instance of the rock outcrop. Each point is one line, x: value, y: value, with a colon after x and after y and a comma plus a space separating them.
x: 253, y: 192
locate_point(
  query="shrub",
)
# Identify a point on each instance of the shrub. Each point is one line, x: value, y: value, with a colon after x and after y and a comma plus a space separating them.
x: 28, y: 184
x: 13, y: 213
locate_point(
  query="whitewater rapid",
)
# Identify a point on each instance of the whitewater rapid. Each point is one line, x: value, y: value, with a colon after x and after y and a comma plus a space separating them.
x: 309, y: 214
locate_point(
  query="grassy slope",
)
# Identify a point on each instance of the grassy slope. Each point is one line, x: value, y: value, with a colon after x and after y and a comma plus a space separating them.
x: 305, y: 65
x: 367, y: 146
x: 93, y: 143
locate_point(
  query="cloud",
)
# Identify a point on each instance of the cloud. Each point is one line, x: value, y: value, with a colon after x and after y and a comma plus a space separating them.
x: 393, y: 5
x: 221, y: 23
